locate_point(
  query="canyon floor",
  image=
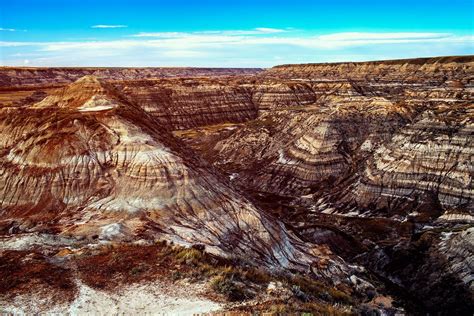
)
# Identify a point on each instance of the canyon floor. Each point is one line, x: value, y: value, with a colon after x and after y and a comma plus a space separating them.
x: 329, y: 189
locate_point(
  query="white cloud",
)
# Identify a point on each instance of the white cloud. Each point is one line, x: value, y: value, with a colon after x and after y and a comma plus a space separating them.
x: 255, y: 31
x: 16, y: 44
x: 161, y: 34
x: 183, y: 54
x: 269, y: 30
x: 10, y: 30
x: 268, y: 37
x: 108, y: 26
x: 256, y: 47
x: 359, y: 36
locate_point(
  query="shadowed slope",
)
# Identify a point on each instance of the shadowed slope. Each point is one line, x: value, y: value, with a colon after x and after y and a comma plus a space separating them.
x: 84, y: 162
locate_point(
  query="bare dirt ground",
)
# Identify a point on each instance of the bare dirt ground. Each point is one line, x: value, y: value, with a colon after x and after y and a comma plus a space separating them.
x: 155, y: 298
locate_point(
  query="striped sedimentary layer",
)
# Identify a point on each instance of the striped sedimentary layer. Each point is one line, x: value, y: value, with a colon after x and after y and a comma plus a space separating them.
x: 189, y: 103
x: 297, y: 149
x: 428, y: 159
x: 375, y: 143
x: 437, y: 69
x: 99, y: 166
x: 275, y: 95
x: 31, y: 76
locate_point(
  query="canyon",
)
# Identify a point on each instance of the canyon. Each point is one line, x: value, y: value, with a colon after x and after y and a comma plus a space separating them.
x: 338, y: 188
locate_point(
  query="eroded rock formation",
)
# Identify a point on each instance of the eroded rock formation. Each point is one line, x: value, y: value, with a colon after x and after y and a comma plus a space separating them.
x: 313, y: 167
x: 24, y: 77
x: 370, y: 156
x: 84, y: 162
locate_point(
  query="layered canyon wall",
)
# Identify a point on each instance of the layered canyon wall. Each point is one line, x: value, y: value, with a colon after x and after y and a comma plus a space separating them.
x: 364, y: 163
x: 14, y: 77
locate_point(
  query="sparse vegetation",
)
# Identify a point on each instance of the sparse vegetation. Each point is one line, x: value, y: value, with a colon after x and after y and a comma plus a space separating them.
x: 308, y: 289
x: 307, y: 309
x: 138, y: 269
x: 189, y: 255
x: 24, y: 272
x: 229, y: 278
x: 228, y: 286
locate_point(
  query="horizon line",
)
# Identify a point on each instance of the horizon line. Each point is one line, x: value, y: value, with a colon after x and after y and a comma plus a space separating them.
x: 237, y: 67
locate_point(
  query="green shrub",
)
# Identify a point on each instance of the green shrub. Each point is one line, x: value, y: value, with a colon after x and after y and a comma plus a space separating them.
x: 138, y: 269
x: 176, y: 275
x: 227, y: 286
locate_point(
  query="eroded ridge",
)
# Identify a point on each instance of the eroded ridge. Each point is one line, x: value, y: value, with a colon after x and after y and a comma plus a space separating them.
x: 354, y: 175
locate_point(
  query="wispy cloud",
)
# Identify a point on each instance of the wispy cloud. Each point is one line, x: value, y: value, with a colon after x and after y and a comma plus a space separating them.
x: 255, y: 31
x: 17, y: 44
x: 358, y: 36
x: 10, y: 30
x: 162, y: 34
x: 269, y: 30
x: 108, y: 26
x: 255, y: 47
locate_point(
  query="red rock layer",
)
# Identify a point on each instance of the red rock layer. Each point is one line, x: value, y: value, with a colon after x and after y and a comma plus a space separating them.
x: 85, y: 162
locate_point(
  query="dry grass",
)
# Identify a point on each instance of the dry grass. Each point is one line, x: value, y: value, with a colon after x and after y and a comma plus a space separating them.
x: 307, y: 309
x: 23, y: 272
x: 110, y: 267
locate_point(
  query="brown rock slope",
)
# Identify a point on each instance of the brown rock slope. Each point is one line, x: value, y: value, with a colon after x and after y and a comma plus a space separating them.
x: 85, y: 162
x: 31, y: 76
x: 192, y: 102
x: 379, y: 153
x: 438, y: 69
x: 400, y: 139
x: 370, y: 161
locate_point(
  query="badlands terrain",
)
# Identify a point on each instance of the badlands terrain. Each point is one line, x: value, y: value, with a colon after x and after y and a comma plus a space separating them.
x: 333, y: 189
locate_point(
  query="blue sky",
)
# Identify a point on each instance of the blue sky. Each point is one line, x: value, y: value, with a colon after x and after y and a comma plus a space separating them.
x: 229, y: 33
